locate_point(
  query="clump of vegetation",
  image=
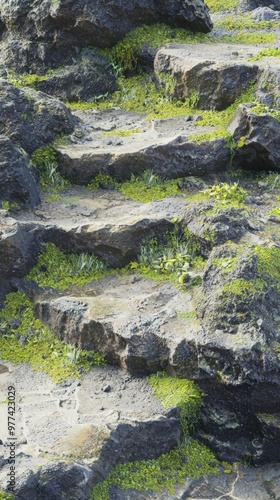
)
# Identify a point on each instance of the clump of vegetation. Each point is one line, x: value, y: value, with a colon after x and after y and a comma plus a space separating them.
x: 227, y: 194
x: 243, y: 288
x: 276, y: 212
x: 122, y: 133
x: 225, y: 264
x: 233, y: 23
x: 59, y: 270
x: 6, y: 496
x: 268, y: 52
x: 24, y: 339
x: 184, y: 394
x: 176, y: 261
x: 273, y: 180
x: 45, y: 159
x: 26, y: 79
x: 124, y: 54
x: 268, y: 264
x: 164, y: 473
x: 249, y: 38
x: 148, y: 187
x: 220, y: 5
x: 6, y: 205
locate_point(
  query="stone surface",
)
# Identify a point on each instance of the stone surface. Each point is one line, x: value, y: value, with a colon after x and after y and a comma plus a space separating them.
x: 32, y: 119
x: 49, y: 33
x: 90, y: 76
x: 265, y: 14
x: 163, y: 146
x: 89, y: 431
x: 205, y: 75
x: 17, y: 184
x: 261, y: 138
x: 249, y: 5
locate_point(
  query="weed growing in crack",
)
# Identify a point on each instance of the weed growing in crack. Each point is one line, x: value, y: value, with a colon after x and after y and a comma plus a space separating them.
x: 59, y: 270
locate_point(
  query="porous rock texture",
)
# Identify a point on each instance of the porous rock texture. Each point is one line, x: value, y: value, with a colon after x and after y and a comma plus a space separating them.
x: 48, y: 33
x: 224, y: 338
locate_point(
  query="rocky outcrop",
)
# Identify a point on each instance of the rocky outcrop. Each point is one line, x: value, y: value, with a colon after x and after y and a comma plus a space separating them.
x: 105, y: 419
x: 49, y: 33
x: 259, y: 136
x: 205, y: 76
x: 90, y: 76
x: 17, y: 184
x: 32, y: 119
x: 248, y: 5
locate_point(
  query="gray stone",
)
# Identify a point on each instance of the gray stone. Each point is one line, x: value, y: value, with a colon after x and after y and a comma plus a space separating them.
x: 261, y: 133
x: 265, y: 14
x: 82, y: 25
x: 17, y: 184
x: 205, y: 76
x: 32, y: 119
x: 90, y: 76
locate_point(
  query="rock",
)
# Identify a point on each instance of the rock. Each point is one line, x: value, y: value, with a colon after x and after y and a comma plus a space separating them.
x: 81, y: 25
x: 130, y: 428
x: 260, y: 134
x: 18, y: 249
x: 249, y: 5
x: 17, y: 184
x: 205, y: 76
x: 265, y: 14
x: 90, y: 76
x: 32, y: 119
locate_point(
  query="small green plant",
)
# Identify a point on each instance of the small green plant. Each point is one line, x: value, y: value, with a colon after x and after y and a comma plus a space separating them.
x: 6, y: 205
x: 268, y: 52
x: 175, y: 261
x: 148, y: 187
x: 40, y: 348
x: 273, y: 180
x: 248, y: 38
x: 276, y: 212
x: 226, y: 194
x: 6, y: 496
x: 268, y: 264
x: 59, y: 270
x: 184, y: 394
x: 221, y: 5
x: 191, y: 460
x: 122, y: 133
x: 45, y: 159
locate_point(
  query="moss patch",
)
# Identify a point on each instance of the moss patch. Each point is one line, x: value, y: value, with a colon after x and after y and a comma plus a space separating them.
x: 45, y: 159
x: 141, y: 190
x: 164, y: 473
x: 41, y: 349
x: 59, y: 270
x: 227, y: 194
x: 184, y: 394
x: 122, y: 133
x: 276, y: 212
x: 233, y: 23
x: 243, y: 288
x: 268, y: 52
x: 220, y: 5
x: 268, y: 264
x: 249, y: 38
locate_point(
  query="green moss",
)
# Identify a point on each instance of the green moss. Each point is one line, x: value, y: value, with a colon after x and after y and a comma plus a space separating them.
x: 260, y: 109
x: 249, y: 38
x: 45, y: 159
x: 59, y: 270
x: 227, y: 194
x: 184, y: 394
x: 233, y: 23
x: 268, y: 52
x: 191, y: 315
x: 138, y: 190
x: 243, y: 288
x: 164, y: 473
x: 268, y: 264
x: 276, y: 212
x: 103, y: 178
x: 219, y: 5
x: 273, y: 180
x: 25, y: 79
x: 122, y: 133
x: 6, y: 496
x: 42, y: 350
x: 220, y: 133
x: 225, y: 264
x: 6, y: 205
x: 124, y: 54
